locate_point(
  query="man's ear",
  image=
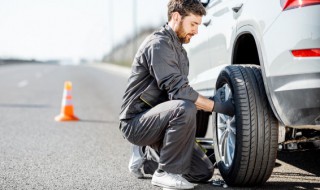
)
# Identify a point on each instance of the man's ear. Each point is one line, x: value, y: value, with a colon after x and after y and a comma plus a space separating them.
x: 176, y: 16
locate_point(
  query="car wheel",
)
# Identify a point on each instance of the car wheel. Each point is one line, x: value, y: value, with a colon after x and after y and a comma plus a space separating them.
x: 245, y: 145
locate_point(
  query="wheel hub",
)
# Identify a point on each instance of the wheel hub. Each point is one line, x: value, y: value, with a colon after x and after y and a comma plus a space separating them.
x: 226, y: 132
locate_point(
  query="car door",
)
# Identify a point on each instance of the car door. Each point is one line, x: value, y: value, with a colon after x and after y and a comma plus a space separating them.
x: 199, y: 57
x: 222, y: 16
x: 197, y: 52
x: 209, y: 50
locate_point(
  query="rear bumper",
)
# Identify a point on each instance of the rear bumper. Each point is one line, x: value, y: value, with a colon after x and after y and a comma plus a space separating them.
x: 293, y: 84
x: 296, y: 98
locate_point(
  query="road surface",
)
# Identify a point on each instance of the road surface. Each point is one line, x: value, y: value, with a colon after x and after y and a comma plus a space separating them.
x: 37, y: 152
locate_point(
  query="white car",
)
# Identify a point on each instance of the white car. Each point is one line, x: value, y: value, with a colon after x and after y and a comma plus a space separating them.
x: 266, y: 56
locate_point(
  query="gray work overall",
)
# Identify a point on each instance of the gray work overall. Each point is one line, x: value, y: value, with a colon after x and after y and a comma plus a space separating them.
x: 159, y: 107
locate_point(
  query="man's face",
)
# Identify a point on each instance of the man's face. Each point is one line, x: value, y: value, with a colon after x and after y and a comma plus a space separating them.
x: 188, y: 27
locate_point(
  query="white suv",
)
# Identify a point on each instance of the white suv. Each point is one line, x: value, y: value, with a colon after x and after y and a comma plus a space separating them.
x: 266, y: 55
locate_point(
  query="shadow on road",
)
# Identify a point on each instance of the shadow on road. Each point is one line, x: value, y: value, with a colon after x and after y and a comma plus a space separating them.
x: 306, y: 160
x: 290, y: 185
x: 24, y: 106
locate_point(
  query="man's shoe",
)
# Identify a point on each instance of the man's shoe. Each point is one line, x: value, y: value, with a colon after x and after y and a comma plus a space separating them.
x: 170, y: 181
x: 137, y: 173
x: 136, y: 162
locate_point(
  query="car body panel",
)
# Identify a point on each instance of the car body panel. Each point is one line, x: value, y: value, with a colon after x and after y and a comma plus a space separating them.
x: 292, y: 84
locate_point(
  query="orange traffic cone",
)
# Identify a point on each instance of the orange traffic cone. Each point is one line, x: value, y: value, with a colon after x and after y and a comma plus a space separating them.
x: 66, y: 107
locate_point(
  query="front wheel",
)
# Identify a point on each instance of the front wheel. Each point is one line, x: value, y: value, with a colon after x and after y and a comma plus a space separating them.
x: 245, y: 145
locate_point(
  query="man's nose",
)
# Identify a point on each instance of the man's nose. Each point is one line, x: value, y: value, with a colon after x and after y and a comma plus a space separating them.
x: 195, y: 31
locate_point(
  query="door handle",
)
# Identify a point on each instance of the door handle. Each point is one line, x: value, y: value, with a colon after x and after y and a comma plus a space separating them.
x: 206, y: 23
x: 237, y: 8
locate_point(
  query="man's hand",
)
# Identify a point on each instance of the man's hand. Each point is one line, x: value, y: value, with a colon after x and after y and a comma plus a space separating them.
x: 226, y: 107
x: 204, y: 103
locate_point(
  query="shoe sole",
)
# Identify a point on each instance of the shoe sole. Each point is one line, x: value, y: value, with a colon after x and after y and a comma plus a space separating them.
x: 169, y: 187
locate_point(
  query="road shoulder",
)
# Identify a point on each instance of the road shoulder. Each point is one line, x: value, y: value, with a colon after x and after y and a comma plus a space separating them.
x: 112, y: 68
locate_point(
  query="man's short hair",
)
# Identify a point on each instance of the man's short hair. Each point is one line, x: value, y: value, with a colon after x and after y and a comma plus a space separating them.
x: 185, y: 7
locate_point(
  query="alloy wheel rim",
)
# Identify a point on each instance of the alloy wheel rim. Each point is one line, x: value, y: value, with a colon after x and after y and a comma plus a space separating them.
x: 226, y: 132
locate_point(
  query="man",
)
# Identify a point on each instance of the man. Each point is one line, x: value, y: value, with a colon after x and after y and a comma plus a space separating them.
x: 159, y: 107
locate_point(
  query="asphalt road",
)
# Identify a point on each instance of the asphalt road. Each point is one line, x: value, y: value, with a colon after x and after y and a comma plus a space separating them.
x: 37, y: 152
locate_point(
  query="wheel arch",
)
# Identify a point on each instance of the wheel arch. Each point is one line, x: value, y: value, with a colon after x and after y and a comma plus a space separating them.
x: 248, y: 49
x: 245, y: 50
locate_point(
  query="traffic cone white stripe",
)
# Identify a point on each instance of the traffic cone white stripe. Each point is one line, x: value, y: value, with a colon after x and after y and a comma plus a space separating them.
x: 66, y: 102
x: 66, y: 93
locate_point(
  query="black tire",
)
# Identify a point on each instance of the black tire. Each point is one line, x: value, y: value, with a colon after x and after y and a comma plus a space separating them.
x: 254, y: 127
x: 202, y: 123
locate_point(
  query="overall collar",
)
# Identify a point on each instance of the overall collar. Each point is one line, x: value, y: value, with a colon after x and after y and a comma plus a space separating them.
x: 173, y: 35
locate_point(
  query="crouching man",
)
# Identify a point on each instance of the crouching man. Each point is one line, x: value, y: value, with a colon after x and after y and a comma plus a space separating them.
x: 159, y: 107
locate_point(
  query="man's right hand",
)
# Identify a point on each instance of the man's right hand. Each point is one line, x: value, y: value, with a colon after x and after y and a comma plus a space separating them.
x: 226, y: 107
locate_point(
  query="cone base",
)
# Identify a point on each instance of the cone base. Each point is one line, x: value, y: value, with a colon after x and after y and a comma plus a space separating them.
x: 62, y: 117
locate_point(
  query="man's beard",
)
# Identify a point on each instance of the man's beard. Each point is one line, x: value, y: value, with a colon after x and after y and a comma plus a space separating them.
x: 182, y: 35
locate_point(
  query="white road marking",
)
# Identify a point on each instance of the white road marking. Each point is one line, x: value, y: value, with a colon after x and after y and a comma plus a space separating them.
x: 23, y: 83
